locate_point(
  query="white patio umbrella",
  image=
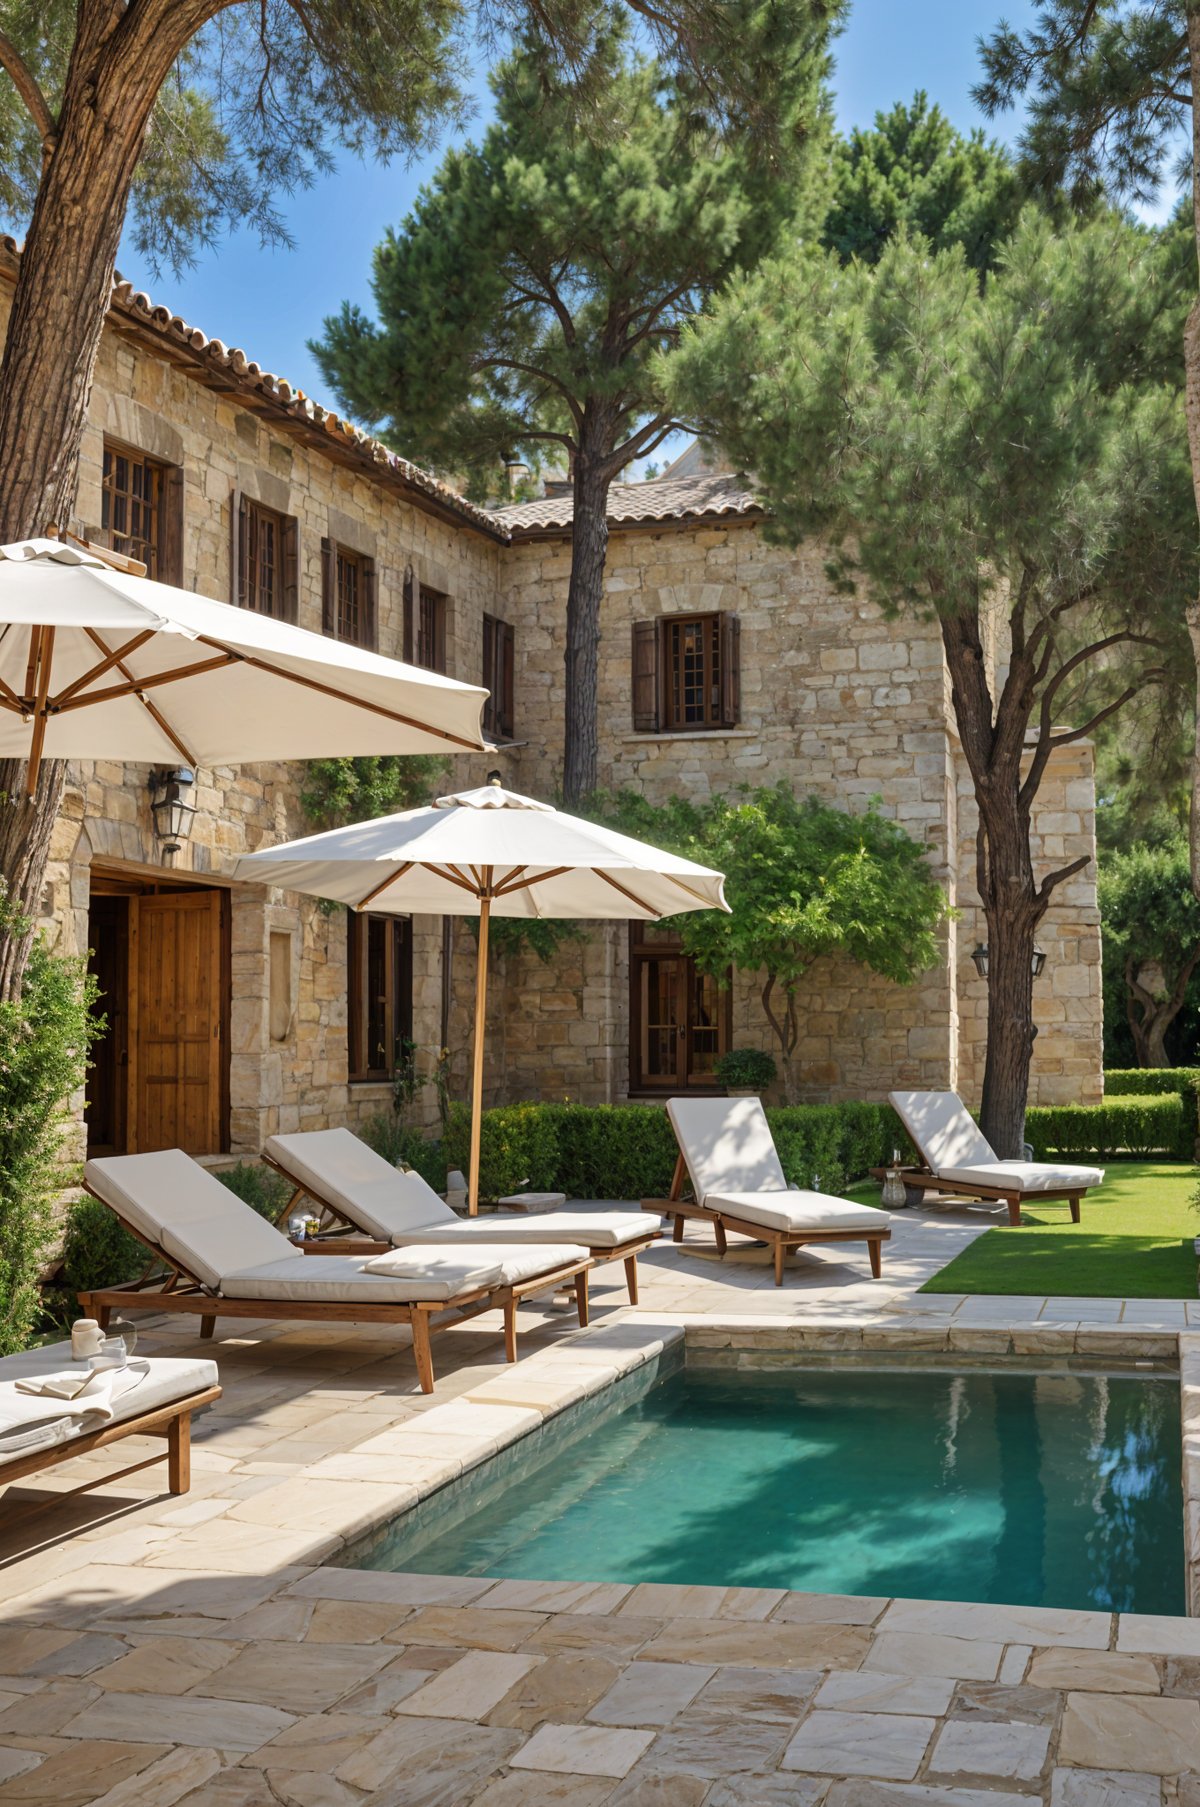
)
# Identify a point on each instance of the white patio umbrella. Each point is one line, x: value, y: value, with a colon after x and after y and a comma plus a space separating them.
x: 95, y: 664
x: 488, y: 852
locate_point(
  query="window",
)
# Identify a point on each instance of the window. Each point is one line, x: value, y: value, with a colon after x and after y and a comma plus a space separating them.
x: 141, y: 510
x: 686, y: 674
x: 498, y: 678
x: 679, y: 1017
x: 379, y: 959
x: 265, y: 559
x: 348, y: 595
x: 425, y: 613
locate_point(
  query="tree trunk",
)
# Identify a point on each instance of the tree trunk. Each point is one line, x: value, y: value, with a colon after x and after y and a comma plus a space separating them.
x: 1191, y: 359
x: 58, y: 312
x: 1010, y: 1029
x: 589, y: 549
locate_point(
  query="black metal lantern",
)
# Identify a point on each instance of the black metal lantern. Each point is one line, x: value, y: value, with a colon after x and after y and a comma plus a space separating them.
x: 172, y: 808
x: 979, y: 958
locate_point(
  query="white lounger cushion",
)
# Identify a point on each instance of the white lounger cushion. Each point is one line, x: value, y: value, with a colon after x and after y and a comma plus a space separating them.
x: 944, y: 1130
x: 1026, y: 1176
x: 166, y: 1380
x: 798, y: 1211
x: 175, y: 1203
x: 727, y: 1144
x: 513, y: 1264
x: 340, y: 1170
x: 598, y: 1229
x: 342, y: 1279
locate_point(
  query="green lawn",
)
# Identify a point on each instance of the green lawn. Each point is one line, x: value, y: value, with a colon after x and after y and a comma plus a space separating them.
x: 1135, y: 1242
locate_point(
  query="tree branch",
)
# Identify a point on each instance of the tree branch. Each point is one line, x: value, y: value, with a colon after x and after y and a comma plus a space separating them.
x: 1053, y: 880
x: 25, y: 83
x: 1154, y: 676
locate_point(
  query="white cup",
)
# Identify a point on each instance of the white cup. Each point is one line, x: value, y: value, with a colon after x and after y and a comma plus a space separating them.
x: 87, y: 1339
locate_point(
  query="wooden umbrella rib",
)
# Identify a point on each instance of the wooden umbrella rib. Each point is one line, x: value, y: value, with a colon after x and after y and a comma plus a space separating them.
x: 134, y: 686
x: 10, y: 700
x: 631, y: 895
x: 105, y: 664
x: 342, y: 696
x: 539, y: 878
x: 156, y: 716
x: 31, y: 669
x: 382, y: 886
x: 509, y: 877
x: 38, y: 738
x: 452, y: 877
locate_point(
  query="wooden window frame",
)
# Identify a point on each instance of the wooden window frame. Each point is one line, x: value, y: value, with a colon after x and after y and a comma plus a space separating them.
x: 337, y: 561
x: 398, y: 993
x: 162, y: 554
x: 425, y: 615
x: 667, y: 947
x: 658, y: 705
x: 247, y: 518
x: 499, y: 678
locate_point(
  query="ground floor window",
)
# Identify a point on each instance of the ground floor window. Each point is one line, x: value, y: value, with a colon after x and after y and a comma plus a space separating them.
x: 380, y: 993
x: 678, y: 1016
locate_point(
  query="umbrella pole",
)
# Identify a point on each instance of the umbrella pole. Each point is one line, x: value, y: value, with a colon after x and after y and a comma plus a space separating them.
x: 485, y: 906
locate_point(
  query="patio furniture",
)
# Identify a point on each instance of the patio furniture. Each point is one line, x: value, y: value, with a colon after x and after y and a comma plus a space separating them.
x: 488, y: 852
x: 227, y: 1262
x: 960, y: 1160
x: 355, y: 1187
x: 154, y: 1397
x: 727, y: 1150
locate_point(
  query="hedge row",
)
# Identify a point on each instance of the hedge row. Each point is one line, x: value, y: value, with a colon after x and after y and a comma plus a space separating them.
x: 1122, y: 1125
x: 629, y: 1151
x: 1141, y: 1082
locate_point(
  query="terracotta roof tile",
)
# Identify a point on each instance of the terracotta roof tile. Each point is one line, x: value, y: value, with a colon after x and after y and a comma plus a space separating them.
x: 665, y: 499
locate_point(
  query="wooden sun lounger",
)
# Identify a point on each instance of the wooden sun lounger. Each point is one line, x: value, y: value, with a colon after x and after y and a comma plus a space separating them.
x: 920, y: 1181
x: 180, y: 1291
x: 340, y: 1235
x: 955, y: 1158
x: 780, y: 1242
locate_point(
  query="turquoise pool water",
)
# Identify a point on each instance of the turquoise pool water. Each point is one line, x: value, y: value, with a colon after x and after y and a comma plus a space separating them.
x: 1055, y: 1489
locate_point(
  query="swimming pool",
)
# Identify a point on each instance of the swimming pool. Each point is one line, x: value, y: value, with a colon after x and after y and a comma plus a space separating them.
x: 1043, y: 1489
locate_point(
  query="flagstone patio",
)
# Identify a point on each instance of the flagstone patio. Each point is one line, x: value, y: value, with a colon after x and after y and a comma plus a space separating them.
x: 156, y: 1650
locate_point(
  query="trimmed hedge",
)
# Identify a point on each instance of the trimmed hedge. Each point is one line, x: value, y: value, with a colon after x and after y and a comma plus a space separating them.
x: 1142, y: 1082
x: 1124, y: 1125
x: 628, y: 1151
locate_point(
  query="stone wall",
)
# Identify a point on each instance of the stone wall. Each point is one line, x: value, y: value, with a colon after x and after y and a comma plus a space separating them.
x: 835, y: 701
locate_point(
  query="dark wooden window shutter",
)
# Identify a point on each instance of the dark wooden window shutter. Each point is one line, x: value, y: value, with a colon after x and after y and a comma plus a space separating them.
x: 237, y: 549
x: 291, y: 568
x: 370, y: 606
x: 731, y: 671
x: 645, y: 677
x: 171, y: 560
x: 329, y: 611
x: 507, y: 679
x: 410, y: 610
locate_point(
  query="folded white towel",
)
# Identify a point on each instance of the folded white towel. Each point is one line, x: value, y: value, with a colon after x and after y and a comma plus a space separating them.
x: 36, y: 1401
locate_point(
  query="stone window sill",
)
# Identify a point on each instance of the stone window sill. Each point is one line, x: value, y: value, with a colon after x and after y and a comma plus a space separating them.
x: 694, y: 734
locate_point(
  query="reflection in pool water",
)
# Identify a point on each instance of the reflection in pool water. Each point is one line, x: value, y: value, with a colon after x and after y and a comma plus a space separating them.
x: 1055, y: 1489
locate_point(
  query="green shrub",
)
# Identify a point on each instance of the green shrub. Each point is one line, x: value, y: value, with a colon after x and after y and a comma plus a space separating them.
x: 745, y: 1067
x: 97, y: 1251
x: 399, y: 1142
x: 44, y: 1042
x: 809, y: 1139
x: 614, y: 1150
x: 518, y: 1147
x: 1123, y: 1125
x: 264, y: 1190
x: 1141, y: 1082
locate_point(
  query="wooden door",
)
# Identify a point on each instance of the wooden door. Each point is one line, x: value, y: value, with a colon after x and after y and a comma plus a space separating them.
x: 680, y: 1018
x: 177, y: 1044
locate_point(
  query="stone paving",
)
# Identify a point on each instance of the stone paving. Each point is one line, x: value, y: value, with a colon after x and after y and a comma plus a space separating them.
x: 200, y: 1650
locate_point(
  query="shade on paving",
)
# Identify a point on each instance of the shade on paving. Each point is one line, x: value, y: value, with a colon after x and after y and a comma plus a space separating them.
x: 97, y: 664
x: 488, y: 852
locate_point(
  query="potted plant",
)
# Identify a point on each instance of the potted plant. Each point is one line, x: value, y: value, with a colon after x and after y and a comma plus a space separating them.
x: 745, y: 1072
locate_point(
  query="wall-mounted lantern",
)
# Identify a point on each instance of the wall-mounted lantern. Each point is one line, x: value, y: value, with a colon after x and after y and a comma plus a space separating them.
x: 979, y: 959
x: 171, y: 806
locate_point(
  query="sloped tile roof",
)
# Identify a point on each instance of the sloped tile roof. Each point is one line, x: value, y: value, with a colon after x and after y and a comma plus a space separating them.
x: 630, y: 504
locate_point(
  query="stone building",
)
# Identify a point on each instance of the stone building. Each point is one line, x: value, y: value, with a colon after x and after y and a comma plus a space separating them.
x: 234, y: 1011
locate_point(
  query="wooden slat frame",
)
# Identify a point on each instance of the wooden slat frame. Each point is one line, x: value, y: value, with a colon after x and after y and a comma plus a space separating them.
x: 923, y: 1179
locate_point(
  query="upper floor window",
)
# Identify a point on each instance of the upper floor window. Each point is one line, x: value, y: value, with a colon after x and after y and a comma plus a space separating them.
x: 348, y: 610
x: 498, y: 679
x: 265, y: 559
x: 140, y: 510
x: 686, y: 673
x: 425, y: 612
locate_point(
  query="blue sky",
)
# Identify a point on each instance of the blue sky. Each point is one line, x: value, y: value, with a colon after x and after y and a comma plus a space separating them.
x: 271, y: 302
